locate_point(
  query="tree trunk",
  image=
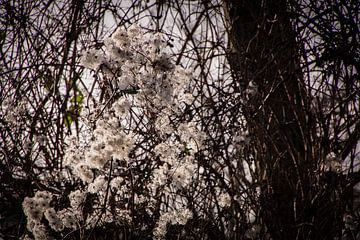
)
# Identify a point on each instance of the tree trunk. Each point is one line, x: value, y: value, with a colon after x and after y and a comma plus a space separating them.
x: 263, y: 53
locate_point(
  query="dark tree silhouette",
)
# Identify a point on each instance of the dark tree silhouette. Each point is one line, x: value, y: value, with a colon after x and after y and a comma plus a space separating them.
x: 289, y: 121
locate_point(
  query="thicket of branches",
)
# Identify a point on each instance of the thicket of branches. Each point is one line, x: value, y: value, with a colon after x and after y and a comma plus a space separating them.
x: 275, y: 92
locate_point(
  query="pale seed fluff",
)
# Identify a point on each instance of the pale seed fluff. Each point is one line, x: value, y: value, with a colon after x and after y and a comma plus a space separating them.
x: 98, y: 185
x: 158, y: 40
x: 26, y: 237
x: 134, y: 32
x: 68, y: 218
x: 40, y: 232
x: 182, y: 76
x: 71, y: 158
x: 43, y: 195
x: 30, y: 224
x: 121, y: 39
x: 190, y: 135
x: 180, y: 217
x: 124, y: 81
x: 92, y: 59
x: 95, y: 159
x: 116, y: 183
x: 122, y: 150
x: 76, y: 198
x: 34, y: 207
x: 122, y: 107
x: 160, y: 230
x: 332, y: 163
x: 84, y: 172
x: 183, y: 175
x: 163, y: 149
x: 54, y: 221
x: 113, y: 51
x: 252, y: 89
x: 187, y: 98
x: 224, y: 200
x: 160, y: 176
x: 162, y: 123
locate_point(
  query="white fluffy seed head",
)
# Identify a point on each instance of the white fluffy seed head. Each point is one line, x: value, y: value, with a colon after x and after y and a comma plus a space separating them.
x: 84, y: 172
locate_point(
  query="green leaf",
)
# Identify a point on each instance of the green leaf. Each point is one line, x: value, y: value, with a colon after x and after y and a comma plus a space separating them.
x: 74, y: 111
x: 78, y: 96
x: 131, y: 91
x: 77, y: 99
x: 48, y: 84
x: 2, y: 36
x: 68, y: 120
